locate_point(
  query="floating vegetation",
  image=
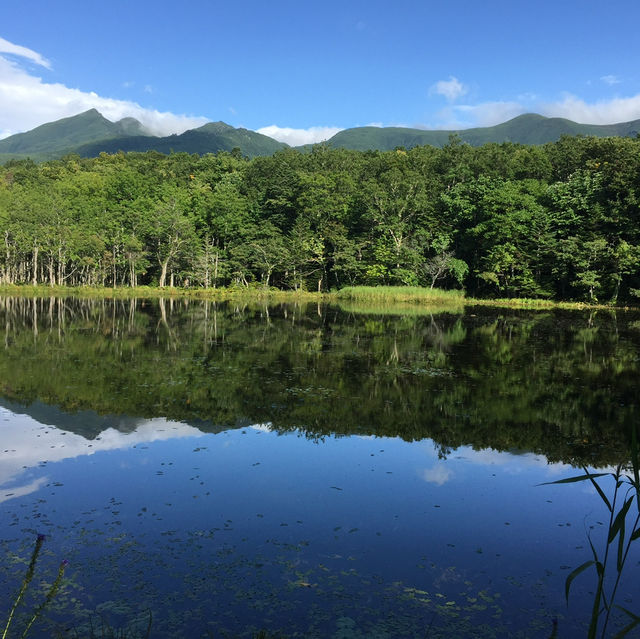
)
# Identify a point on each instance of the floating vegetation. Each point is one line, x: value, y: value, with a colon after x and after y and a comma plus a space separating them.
x: 102, y: 629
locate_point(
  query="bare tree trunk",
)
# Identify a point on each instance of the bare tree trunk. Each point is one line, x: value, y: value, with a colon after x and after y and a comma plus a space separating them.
x: 163, y: 273
x: 113, y: 266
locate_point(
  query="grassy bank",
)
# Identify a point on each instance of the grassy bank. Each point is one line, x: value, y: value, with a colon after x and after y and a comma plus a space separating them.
x: 373, y: 297
x: 147, y: 292
x: 399, y: 294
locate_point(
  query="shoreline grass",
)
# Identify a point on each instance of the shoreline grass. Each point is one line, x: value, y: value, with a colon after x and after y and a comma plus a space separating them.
x: 400, y: 297
x: 400, y: 294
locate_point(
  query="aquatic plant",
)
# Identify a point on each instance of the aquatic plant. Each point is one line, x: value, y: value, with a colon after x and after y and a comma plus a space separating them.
x: 620, y: 536
x: 106, y: 631
x: 25, y: 585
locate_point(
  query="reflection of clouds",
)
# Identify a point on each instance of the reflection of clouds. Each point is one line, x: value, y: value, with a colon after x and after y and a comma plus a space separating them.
x: 512, y: 463
x: 263, y: 428
x: 439, y: 474
x: 23, y: 490
x: 27, y: 443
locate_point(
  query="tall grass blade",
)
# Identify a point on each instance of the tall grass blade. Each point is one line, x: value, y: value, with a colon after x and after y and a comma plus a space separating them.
x: 627, y: 629
x: 604, y: 498
x: 635, y: 462
x: 596, y: 611
x: 574, y: 573
x: 148, y: 634
x: 25, y: 583
x: 571, y: 480
x: 618, y: 522
x: 50, y: 595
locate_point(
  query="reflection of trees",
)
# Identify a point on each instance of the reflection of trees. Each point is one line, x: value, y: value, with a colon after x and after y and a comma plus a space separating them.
x: 557, y: 383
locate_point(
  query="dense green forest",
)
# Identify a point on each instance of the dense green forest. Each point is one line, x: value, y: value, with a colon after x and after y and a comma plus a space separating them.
x: 557, y: 221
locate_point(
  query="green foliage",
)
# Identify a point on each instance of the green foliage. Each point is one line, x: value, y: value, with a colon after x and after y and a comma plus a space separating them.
x: 501, y: 221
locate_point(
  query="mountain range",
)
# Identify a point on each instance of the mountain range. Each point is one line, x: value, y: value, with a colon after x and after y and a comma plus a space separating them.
x: 90, y: 133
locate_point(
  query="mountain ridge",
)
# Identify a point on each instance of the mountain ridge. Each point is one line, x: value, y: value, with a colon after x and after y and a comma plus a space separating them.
x: 89, y: 133
x: 61, y: 136
x: 528, y: 128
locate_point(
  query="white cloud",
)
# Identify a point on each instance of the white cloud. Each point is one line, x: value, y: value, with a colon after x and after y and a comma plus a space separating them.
x: 28, y: 443
x: 298, y: 137
x: 611, y: 79
x: 602, y: 112
x: 26, y: 101
x: 440, y: 474
x: 451, y: 89
x: 263, y: 428
x: 23, y: 52
x: 491, y: 113
x: 466, y: 116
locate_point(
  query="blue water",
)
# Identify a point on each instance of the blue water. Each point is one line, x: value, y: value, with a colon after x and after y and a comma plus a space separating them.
x: 225, y: 534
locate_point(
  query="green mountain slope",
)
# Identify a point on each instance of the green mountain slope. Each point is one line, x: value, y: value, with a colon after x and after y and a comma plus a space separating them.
x: 524, y: 129
x: 90, y: 134
x: 60, y: 137
x: 210, y: 138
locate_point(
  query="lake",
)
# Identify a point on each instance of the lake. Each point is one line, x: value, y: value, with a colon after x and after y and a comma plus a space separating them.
x: 217, y: 469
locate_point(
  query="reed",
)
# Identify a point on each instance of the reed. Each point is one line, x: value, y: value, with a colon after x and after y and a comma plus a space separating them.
x: 623, y: 530
x: 25, y: 585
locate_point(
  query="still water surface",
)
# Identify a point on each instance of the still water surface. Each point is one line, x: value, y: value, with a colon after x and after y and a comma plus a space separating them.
x: 317, y: 472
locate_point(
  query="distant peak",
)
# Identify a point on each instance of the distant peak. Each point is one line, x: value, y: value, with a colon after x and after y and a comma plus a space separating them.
x: 92, y: 113
x: 215, y: 127
x: 131, y: 126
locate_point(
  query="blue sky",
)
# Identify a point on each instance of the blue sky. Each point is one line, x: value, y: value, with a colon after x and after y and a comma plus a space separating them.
x: 300, y: 71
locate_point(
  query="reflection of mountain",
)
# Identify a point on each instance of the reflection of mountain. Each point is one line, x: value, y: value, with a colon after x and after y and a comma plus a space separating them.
x: 28, y: 442
x: 87, y: 423
x: 562, y: 384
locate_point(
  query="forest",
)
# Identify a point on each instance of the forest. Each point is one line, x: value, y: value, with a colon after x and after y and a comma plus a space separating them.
x: 558, y: 221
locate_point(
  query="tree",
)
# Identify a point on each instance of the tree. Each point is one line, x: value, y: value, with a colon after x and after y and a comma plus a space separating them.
x: 172, y: 232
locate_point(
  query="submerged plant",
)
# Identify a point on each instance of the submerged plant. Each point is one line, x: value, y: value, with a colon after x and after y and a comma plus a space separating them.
x: 623, y: 530
x: 106, y: 631
x: 25, y: 585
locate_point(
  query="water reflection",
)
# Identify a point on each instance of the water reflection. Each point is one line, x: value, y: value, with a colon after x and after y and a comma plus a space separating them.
x: 28, y: 443
x: 248, y: 528
x: 312, y: 470
x: 561, y: 384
